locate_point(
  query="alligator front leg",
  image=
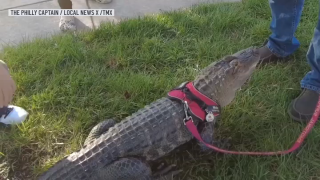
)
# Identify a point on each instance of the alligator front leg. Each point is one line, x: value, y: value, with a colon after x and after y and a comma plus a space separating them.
x: 125, y: 169
x: 99, y: 129
x: 131, y: 169
x: 207, y: 135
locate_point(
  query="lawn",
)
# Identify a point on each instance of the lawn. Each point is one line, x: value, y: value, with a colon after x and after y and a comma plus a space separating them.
x: 70, y: 83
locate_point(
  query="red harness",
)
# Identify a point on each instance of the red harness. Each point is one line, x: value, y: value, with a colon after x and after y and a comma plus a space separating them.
x: 201, y: 107
x: 196, y: 103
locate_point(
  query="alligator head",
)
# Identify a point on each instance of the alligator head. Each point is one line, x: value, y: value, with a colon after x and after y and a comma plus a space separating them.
x: 221, y: 80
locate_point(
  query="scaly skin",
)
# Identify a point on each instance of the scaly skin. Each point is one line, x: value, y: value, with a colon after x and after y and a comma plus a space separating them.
x: 99, y: 129
x: 124, y: 149
x: 151, y: 133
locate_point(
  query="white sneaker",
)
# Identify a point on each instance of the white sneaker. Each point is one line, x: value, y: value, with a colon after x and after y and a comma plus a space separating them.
x: 15, y: 115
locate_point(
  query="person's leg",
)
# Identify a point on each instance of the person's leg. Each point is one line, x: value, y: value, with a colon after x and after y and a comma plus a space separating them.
x: 65, y: 4
x: 285, y: 20
x: 302, y: 108
x: 67, y: 23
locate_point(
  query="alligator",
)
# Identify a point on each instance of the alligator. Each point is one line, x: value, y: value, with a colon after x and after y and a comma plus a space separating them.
x: 124, y: 150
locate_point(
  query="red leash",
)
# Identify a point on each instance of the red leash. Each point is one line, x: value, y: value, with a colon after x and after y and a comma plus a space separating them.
x: 193, y: 129
x: 188, y: 121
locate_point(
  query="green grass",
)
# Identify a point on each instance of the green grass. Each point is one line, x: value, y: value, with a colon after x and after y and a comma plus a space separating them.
x: 70, y: 83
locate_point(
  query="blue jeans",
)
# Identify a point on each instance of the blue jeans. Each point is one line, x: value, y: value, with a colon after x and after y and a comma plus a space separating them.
x: 286, y: 16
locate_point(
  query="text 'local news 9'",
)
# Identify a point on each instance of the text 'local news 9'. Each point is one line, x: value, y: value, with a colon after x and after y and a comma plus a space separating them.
x: 61, y: 12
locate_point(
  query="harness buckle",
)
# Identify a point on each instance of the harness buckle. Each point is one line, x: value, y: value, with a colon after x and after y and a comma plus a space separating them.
x: 185, y: 120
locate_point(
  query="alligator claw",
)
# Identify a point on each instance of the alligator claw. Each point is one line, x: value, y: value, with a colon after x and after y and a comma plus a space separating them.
x: 166, y: 173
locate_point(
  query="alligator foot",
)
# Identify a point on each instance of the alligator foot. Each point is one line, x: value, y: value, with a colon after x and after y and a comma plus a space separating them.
x: 223, y: 143
x: 126, y: 169
x: 207, y: 136
x: 166, y: 173
x: 99, y: 129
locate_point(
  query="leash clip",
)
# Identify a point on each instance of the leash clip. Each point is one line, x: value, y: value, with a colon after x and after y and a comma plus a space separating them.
x: 187, y: 117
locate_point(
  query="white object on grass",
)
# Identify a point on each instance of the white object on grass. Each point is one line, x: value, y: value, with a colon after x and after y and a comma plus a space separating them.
x: 16, y: 116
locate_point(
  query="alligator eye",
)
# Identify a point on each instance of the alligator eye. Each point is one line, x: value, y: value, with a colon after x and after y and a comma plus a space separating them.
x: 229, y: 58
x: 234, y: 63
x: 235, y: 66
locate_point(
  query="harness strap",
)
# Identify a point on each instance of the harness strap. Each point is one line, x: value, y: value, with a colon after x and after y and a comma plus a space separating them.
x: 199, y: 105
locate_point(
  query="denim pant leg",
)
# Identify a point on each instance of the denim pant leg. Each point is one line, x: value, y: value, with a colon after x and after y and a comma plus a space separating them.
x: 286, y: 16
x: 312, y: 79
